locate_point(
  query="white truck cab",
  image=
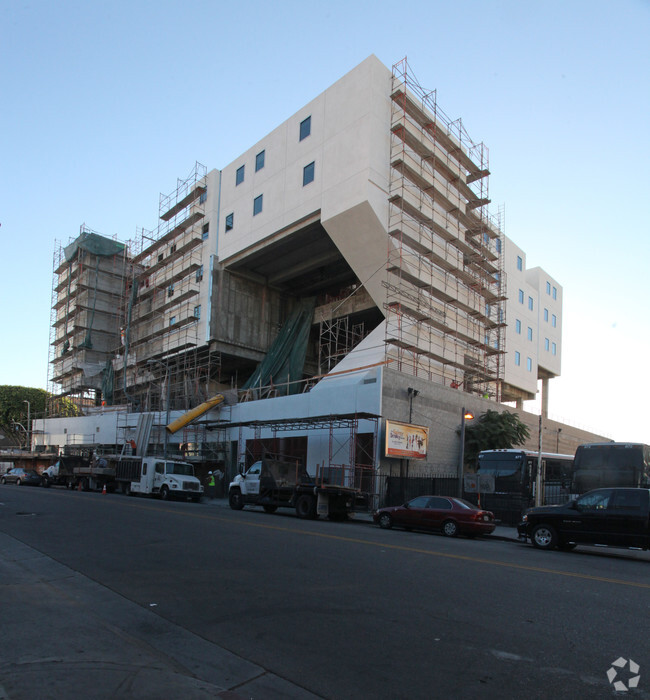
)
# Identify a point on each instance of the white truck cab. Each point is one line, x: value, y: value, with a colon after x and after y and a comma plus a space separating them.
x: 167, y: 478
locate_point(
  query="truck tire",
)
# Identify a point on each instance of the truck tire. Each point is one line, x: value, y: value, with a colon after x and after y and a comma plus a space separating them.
x: 164, y: 493
x: 543, y: 537
x: 45, y: 481
x: 306, y: 507
x: 235, y: 499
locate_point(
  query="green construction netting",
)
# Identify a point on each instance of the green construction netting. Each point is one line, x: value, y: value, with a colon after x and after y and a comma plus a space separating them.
x: 93, y: 243
x: 285, y: 359
x: 108, y: 377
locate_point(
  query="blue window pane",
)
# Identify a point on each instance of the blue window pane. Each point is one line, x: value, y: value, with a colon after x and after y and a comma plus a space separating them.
x: 239, y: 177
x: 305, y: 128
x: 230, y: 222
x: 257, y: 205
x: 259, y: 161
x: 521, y: 296
x: 308, y: 174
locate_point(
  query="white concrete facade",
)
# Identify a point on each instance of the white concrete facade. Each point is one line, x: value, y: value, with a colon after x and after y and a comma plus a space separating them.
x: 534, y: 325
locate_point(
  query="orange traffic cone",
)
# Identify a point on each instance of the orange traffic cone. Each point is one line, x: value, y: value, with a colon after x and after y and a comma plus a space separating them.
x: 104, y: 490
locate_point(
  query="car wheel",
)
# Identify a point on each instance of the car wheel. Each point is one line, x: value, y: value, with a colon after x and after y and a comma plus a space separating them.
x: 306, y: 507
x: 270, y: 509
x: 543, y: 537
x: 385, y: 521
x: 236, y: 500
x: 4, y: 481
x: 164, y: 493
x: 449, y: 528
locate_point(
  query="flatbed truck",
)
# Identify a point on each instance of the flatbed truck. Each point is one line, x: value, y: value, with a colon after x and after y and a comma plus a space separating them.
x: 273, y: 484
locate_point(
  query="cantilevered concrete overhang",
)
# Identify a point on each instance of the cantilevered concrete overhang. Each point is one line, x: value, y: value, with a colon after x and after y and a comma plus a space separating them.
x: 302, y: 261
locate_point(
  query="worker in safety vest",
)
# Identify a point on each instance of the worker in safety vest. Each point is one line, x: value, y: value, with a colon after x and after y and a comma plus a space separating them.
x: 211, y: 485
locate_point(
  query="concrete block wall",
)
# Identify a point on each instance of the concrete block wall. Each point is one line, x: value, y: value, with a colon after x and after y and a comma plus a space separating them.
x: 439, y: 408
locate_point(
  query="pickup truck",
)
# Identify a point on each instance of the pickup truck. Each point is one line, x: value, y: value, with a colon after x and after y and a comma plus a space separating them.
x: 618, y: 517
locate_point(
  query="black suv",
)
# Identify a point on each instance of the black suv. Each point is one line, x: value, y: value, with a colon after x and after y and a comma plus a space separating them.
x: 617, y: 517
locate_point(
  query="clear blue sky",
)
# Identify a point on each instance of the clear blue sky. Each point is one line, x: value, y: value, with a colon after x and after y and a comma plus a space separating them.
x: 105, y: 105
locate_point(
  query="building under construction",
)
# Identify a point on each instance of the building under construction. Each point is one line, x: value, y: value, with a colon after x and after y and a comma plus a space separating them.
x: 351, y: 244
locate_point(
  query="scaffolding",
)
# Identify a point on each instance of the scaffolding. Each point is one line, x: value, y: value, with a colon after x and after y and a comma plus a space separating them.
x: 445, y: 285
x: 164, y: 361
x: 89, y: 277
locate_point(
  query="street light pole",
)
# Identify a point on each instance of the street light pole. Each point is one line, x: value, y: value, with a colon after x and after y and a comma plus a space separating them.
x: 29, y: 423
x: 465, y: 415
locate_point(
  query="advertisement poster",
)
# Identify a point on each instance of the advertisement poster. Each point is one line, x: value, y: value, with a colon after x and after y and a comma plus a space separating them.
x: 404, y: 440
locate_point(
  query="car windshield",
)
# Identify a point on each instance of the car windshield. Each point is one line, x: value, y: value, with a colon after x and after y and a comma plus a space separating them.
x: 463, y: 503
x: 179, y: 468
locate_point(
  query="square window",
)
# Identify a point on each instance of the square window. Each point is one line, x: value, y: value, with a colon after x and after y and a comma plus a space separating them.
x: 520, y: 262
x: 205, y: 231
x: 197, y: 311
x: 199, y: 274
x: 202, y: 198
x: 230, y: 222
x: 554, y: 321
x: 554, y: 349
x: 548, y: 287
x: 257, y: 205
x: 546, y: 314
x: 530, y: 333
x: 546, y: 344
x: 259, y: 160
x: 518, y: 326
x: 530, y: 303
x: 308, y: 174
x: 517, y: 358
x: 554, y: 292
x: 172, y: 320
x: 498, y: 245
x: 170, y: 290
x: 521, y: 296
x: 239, y: 176
x: 529, y: 364
x: 305, y: 128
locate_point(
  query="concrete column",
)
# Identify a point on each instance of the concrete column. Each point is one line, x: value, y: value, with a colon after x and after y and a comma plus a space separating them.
x: 545, y: 397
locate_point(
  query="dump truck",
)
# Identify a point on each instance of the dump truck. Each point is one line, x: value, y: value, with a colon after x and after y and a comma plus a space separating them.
x: 275, y: 483
x: 154, y: 476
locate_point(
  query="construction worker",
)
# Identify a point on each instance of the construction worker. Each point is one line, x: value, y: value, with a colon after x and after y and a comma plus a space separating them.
x: 211, y: 485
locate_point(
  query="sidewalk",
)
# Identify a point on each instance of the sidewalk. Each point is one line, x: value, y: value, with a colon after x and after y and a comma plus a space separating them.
x: 65, y: 636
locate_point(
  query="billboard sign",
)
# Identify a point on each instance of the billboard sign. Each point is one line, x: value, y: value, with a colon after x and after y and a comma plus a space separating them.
x: 405, y: 440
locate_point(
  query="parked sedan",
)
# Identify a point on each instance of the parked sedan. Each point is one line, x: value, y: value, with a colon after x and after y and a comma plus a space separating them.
x: 18, y: 476
x: 451, y: 516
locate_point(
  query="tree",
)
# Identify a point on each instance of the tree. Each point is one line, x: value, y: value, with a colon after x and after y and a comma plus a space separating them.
x: 494, y: 430
x: 14, y: 410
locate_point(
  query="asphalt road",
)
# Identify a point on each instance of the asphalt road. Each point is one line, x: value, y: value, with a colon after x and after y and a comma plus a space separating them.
x: 246, y: 604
